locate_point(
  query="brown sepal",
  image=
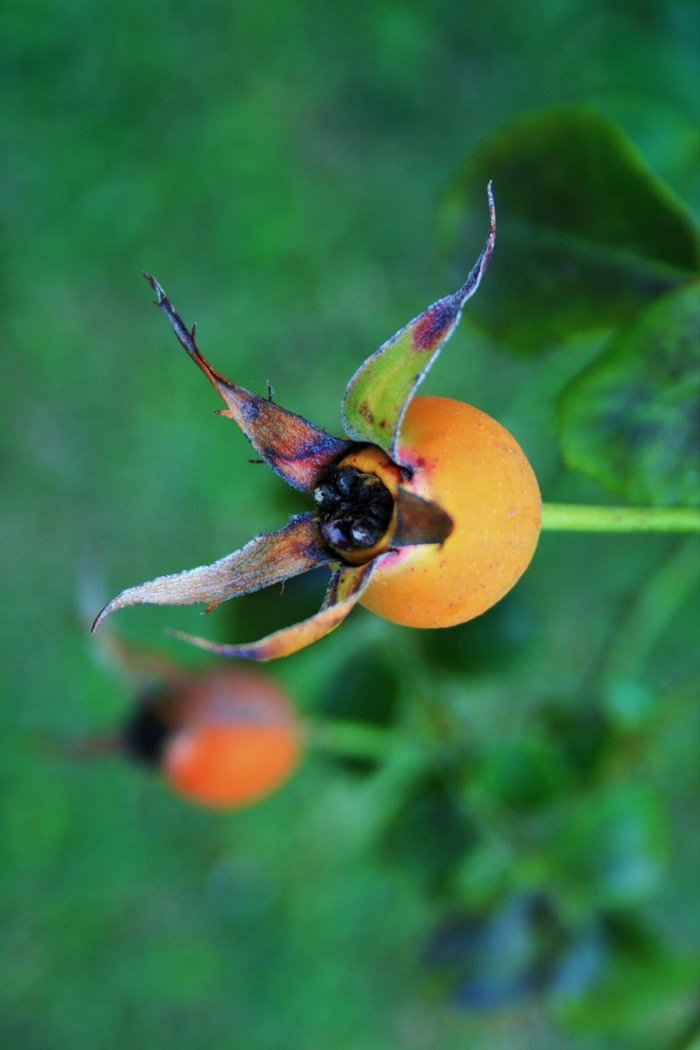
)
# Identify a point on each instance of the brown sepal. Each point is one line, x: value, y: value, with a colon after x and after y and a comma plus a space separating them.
x: 296, y: 450
x: 344, y: 591
x: 267, y: 559
x: 418, y: 521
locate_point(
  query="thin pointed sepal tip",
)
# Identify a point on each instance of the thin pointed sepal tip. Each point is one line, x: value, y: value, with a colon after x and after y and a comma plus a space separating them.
x: 155, y: 285
x: 101, y: 617
x: 161, y: 300
x: 192, y: 639
x: 492, y: 210
x: 254, y: 651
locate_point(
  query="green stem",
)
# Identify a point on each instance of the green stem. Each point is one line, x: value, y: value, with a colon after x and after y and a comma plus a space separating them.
x: 564, y: 517
x: 350, y: 739
x: 381, y: 795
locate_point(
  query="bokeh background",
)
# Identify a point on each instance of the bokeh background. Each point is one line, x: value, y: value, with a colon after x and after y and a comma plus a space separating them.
x: 281, y: 168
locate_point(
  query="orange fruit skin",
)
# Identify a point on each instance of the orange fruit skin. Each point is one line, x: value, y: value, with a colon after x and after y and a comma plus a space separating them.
x: 237, y: 741
x: 474, y: 469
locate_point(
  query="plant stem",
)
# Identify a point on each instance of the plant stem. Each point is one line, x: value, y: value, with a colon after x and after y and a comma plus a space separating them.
x: 349, y: 739
x: 564, y: 517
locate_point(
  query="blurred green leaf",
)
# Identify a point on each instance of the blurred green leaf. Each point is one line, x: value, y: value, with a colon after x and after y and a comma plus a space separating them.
x: 491, y: 641
x: 484, y: 873
x: 430, y: 834
x: 612, y: 850
x: 631, y: 706
x: 362, y: 690
x: 632, y: 420
x: 523, y: 774
x: 636, y: 983
x: 587, y: 233
x: 494, y: 959
x: 582, y: 737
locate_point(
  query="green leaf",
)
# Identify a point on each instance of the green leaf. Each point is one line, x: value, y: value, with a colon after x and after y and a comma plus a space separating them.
x: 634, y: 986
x: 523, y: 775
x: 430, y: 834
x: 611, y: 849
x: 631, y: 421
x: 588, y: 233
x: 378, y: 394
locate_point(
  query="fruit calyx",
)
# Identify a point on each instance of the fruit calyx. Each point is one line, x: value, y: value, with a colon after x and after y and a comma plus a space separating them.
x: 354, y: 509
x: 363, y: 509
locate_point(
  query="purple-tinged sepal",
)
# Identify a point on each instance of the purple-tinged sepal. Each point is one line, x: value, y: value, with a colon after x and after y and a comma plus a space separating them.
x: 381, y: 389
x: 297, y: 451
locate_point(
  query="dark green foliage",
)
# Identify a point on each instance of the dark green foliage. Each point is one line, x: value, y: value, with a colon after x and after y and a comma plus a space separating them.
x: 430, y: 834
x: 495, y: 959
x: 363, y: 689
x: 492, y: 640
x: 632, y: 420
x: 588, y: 233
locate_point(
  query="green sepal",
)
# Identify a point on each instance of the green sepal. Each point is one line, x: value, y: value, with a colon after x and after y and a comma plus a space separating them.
x: 381, y: 389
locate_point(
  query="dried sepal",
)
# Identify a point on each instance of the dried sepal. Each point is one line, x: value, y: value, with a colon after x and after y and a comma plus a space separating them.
x: 418, y: 521
x: 359, y: 520
x: 269, y: 558
x: 296, y: 450
x: 379, y: 392
x: 344, y: 591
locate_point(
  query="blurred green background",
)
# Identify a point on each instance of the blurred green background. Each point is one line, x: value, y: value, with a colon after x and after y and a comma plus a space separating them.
x: 522, y: 869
